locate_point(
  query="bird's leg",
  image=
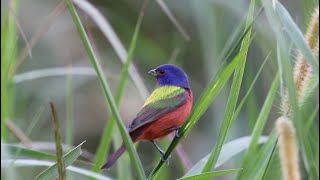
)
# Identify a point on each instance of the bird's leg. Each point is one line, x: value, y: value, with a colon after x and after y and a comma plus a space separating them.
x: 161, y: 152
x: 159, y: 149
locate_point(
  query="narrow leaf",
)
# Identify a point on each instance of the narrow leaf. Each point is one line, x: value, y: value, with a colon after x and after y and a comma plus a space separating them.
x: 107, y: 92
x: 106, y: 138
x: 228, y: 151
x: 296, y: 35
x: 259, y: 164
x: 34, y: 163
x: 209, y: 175
x: 69, y: 158
x: 23, y: 152
x: 108, y: 31
x: 233, y: 96
x: 259, y: 126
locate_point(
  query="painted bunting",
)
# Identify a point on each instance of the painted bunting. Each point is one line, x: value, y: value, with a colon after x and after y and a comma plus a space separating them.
x: 163, y: 112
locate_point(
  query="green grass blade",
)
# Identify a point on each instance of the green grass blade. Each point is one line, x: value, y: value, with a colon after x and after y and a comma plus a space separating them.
x: 228, y: 151
x: 310, y: 147
x: 29, y: 129
x: 250, y: 89
x: 59, y: 153
x: 35, y: 163
x: 236, y: 38
x: 108, y: 31
x: 312, y: 118
x: 173, y: 19
x: 252, y: 102
x: 69, y: 158
x: 107, y: 92
x: 9, y: 171
x: 8, y: 59
x: 19, y: 152
x: 209, y: 175
x: 107, y: 134
x: 259, y: 126
x: 233, y: 96
x: 259, y: 164
x: 265, y: 170
x: 23, y: 152
x: 69, y: 111
x: 296, y: 35
x: 69, y: 125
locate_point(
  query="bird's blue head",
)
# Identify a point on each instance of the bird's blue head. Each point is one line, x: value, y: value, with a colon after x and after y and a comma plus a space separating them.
x: 170, y: 75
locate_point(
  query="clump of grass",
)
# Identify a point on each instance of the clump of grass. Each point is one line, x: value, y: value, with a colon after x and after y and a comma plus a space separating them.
x: 303, y: 76
x: 303, y: 73
x: 288, y: 149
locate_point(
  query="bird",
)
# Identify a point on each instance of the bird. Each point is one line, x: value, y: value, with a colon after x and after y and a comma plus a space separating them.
x: 164, y: 111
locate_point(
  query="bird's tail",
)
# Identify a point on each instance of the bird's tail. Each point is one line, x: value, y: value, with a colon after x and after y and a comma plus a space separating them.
x: 114, y: 157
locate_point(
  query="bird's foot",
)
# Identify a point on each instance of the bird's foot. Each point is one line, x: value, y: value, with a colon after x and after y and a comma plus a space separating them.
x: 166, y: 161
x: 177, y: 133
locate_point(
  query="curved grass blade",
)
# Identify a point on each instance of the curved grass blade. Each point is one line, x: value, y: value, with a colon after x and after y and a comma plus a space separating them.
x: 228, y: 151
x: 259, y: 126
x: 173, y: 19
x: 265, y: 170
x: 53, y: 72
x: 34, y: 163
x: 110, y: 34
x: 69, y: 158
x: 106, y: 138
x: 210, y: 175
x: 233, y: 96
x: 38, y: 34
x: 14, y: 149
x: 18, y: 133
x: 296, y: 35
x: 69, y: 110
x: 107, y: 92
x: 8, y: 59
x: 257, y: 167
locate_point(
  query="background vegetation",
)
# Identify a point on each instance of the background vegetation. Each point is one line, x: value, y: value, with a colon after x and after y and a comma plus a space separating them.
x: 90, y: 60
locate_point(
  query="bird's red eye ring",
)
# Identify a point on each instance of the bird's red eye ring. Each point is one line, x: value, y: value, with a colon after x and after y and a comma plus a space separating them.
x: 161, y: 72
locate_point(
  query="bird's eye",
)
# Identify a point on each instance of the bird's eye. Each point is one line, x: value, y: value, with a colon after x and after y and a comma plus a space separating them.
x: 162, y: 72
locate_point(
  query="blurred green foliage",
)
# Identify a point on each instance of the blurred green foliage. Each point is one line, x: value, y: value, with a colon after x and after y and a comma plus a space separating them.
x: 208, y: 23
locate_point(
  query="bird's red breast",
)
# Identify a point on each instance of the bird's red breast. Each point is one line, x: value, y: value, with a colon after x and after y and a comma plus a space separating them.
x: 165, y: 124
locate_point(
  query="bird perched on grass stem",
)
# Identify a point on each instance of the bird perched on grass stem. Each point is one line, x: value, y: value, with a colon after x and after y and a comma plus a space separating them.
x: 163, y: 112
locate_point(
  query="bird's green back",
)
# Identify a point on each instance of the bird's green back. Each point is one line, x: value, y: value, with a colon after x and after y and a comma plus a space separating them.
x: 165, y: 96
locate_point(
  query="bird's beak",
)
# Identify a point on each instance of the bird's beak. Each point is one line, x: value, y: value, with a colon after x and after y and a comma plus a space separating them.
x: 153, y: 72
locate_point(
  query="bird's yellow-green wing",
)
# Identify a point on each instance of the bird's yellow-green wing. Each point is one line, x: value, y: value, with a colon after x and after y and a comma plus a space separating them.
x: 164, y: 96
